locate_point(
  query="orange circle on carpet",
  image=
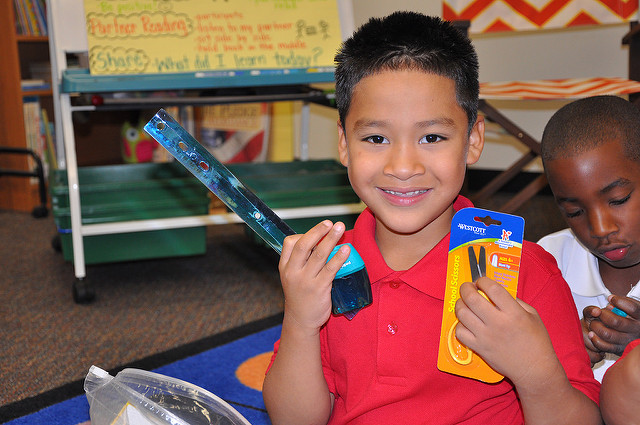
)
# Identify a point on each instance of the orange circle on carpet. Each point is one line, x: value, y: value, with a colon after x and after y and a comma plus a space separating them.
x: 251, y: 372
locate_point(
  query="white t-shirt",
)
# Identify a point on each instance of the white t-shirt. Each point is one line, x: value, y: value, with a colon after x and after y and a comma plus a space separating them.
x: 580, y: 269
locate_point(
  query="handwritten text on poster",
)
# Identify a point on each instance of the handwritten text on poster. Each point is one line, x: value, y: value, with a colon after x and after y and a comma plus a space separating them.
x: 169, y: 36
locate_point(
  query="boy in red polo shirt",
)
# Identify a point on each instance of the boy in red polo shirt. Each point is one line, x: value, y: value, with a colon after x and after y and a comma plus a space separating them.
x: 407, y: 93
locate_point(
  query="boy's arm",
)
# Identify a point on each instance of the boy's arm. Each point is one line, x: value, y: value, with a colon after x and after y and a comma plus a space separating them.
x: 620, y: 393
x: 511, y: 337
x: 295, y: 390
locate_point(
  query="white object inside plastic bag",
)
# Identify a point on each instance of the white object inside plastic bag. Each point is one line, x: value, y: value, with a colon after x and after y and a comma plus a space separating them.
x: 138, y: 397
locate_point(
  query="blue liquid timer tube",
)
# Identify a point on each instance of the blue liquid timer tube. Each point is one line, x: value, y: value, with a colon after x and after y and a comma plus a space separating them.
x: 351, y: 288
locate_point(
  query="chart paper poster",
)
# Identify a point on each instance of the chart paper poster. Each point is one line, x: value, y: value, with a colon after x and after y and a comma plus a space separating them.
x: 174, y: 36
x: 522, y: 15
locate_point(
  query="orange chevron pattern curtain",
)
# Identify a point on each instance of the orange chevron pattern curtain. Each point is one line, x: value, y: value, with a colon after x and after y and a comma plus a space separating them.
x: 568, y: 88
x: 521, y: 15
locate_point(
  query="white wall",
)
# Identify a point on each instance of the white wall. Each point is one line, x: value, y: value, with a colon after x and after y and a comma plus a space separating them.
x: 594, y: 51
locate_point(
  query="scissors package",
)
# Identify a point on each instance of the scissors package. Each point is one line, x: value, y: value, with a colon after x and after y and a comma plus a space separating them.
x: 482, y: 243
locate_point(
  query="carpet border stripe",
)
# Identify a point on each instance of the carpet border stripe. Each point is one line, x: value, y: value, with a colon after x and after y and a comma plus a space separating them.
x: 64, y: 392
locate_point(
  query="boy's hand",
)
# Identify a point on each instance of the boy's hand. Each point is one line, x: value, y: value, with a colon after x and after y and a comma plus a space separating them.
x: 595, y: 355
x: 306, y: 275
x: 611, y: 332
x: 507, y: 333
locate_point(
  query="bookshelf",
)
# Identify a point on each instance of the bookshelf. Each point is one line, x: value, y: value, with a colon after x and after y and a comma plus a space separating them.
x: 20, y: 54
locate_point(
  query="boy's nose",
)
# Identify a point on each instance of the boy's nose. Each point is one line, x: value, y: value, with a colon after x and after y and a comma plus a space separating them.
x: 403, y: 163
x: 602, y: 224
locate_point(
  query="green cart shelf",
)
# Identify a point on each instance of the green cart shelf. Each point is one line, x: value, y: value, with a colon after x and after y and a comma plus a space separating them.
x: 300, y: 184
x: 132, y: 192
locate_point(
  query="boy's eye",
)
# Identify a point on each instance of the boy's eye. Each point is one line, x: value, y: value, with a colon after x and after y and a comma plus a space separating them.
x: 430, y: 138
x: 620, y: 201
x: 376, y: 139
x: 573, y: 214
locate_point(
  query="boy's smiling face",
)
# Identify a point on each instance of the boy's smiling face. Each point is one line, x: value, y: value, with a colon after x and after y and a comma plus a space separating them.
x: 405, y: 144
x: 596, y: 191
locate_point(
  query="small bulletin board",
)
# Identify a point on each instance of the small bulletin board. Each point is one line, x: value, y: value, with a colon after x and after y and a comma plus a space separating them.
x: 174, y: 36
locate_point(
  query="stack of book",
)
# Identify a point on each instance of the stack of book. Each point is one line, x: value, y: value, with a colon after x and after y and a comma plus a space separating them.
x: 39, y: 132
x: 31, y: 17
x: 34, y: 84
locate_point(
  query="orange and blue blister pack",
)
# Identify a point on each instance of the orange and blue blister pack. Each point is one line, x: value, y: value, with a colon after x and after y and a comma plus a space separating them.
x: 482, y: 243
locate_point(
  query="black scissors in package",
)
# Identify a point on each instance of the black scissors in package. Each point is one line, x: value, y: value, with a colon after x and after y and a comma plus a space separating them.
x: 478, y: 266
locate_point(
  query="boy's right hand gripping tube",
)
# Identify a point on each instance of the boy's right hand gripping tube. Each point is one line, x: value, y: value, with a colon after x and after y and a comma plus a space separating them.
x: 351, y: 289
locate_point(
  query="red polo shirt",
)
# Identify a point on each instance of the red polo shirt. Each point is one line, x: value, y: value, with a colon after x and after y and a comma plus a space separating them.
x: 381, y: 366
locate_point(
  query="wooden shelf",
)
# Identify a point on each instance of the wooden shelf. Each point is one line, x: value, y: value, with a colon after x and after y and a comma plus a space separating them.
x: 18, y: 52
x: 40, y: 92
x: 32, y: 38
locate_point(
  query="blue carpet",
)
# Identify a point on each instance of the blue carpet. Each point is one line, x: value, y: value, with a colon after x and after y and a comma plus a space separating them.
x: 213, y: 370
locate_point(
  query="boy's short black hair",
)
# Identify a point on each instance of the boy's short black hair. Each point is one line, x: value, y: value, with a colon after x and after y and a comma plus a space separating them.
x: 585, y: 124
x: 408, y: 40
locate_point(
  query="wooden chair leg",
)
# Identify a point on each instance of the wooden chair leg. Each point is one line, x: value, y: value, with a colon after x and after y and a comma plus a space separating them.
x: 505, y: 176
x: 525, y: 194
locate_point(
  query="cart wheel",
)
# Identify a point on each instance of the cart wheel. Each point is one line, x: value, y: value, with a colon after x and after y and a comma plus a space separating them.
x: 56, y: 243
x: 83, y: 292
x: 40, y: 212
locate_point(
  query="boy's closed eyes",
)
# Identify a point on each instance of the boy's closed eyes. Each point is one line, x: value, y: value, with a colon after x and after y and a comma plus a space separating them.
x: 573, y: 212
x: 615, y: 194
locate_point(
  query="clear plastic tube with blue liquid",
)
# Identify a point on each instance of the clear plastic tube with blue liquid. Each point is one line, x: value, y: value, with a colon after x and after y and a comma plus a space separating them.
x: 351, y: 289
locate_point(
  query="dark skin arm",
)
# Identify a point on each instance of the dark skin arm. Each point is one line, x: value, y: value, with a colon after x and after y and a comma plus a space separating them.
x: 609, y: 332
x: 620, y: 393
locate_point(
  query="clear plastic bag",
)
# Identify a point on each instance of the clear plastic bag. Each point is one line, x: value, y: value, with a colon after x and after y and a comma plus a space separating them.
x: 138, y: 397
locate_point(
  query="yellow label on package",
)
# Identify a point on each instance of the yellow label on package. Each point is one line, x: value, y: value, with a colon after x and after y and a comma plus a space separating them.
x: 482, y: 243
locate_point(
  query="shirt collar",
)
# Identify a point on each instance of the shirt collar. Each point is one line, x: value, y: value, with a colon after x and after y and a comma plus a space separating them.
x: 423, y: 275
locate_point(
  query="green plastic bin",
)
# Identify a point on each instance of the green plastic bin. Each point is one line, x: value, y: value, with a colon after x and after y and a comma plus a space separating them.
x: 300, y: 184
x: 116, y: 193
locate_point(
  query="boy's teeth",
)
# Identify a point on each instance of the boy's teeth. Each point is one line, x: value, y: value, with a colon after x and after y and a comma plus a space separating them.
x: 412, y: 193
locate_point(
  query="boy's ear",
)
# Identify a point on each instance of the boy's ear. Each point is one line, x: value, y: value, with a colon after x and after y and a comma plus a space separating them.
x: 476, y: 141
x: 342, y: 145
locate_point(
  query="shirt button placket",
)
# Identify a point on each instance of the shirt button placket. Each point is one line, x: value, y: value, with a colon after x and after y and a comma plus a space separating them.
x: 390, y: 344
x: 392, y: 327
